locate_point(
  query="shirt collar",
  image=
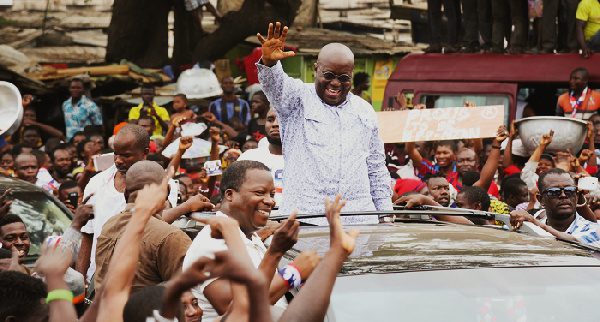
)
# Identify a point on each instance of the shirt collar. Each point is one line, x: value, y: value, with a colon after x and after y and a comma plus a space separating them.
x: 255, y: 239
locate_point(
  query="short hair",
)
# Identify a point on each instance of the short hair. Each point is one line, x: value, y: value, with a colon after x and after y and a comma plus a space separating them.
x: 182, y: 96
x: 582, y: 70
x: 78, y: 133
x: 40, y: 156
x: 81, y: 146
x: 146, y: 117
x: 7, y: 152
x: 360, y: 78
x: 470, y: 177
x: 141, y: 304
x: 448, y: 143
x: 148, y: 86
x: 432, y: 175
x: 21, y: 295
x: 511, y: 187
x: 476, y: 194
x: 234, y: 175
x: 142, y: 139
x: 263, y: 97
x: 5, y: 253
x: 547, y: 157
x: 69, y: 184
x: 20, y: 156
x: 181, y: 175
x: 29, y: 128
x: 142, y: 173
x: 18, y: 148
x: 76, y: 79
x: 542, y: 179
x: 10, y: 219
x: 61, y: 146
x: 225, y: 77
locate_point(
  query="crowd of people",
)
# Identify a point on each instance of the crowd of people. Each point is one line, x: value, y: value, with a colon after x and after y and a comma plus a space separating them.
x: 484, y: 26
x: 294, y: 148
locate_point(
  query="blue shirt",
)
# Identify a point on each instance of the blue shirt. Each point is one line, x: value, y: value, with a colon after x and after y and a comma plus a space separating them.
x: 327, y: 149
x: 85, y: 112
x: 215, y: 108
x: 584, y: 230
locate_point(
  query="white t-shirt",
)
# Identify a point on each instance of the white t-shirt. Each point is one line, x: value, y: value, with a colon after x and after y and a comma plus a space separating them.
x: 273, y: 161
x: 108, y: 202
x: 206, y: 246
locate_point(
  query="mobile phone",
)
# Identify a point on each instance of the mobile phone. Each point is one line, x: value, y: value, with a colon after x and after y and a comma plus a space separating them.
x: 73, y: 198
x: 104, y: 161
x: 587, y: 183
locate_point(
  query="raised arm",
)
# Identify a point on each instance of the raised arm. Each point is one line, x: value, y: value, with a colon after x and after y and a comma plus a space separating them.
x: 272, y: 47
x: 413, y: 154
x: 491, y: 165
x: 507, y: 162
x: 173, y: 167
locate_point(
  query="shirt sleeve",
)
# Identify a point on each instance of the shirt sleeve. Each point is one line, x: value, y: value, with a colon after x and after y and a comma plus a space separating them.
x: 528, y: 174
x: 171, y: 254
x: 134, y: 113
x: 583, y: 11
x: 379, y: 176
x: 95, y: 114
x: 162, y: 113
x: 282, y: 91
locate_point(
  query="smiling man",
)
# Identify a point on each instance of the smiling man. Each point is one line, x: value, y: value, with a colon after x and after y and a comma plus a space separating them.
x: 14, y: 233
x: 330, y: 136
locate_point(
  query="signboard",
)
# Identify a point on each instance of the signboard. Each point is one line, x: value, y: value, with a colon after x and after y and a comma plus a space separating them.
x: 381, y: 73
x: 440, y: 123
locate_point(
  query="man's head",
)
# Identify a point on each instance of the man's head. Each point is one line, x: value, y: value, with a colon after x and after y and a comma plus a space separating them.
x: 23, y: 297
x: 141, y: 304
x: 68, y: 187
x: 98, y: 139
x: 43, y: 159
x: 514, y: 191
x: 361, y: 81
x: 179, y: 103
x: 76, y: 88
x: 61, y: 161
x: 445, y: 153
x: 439, y: 188
x: 29, y: 114
x: 473, y: 198
x: 193, y: 312
x: 227, y: 85
x: 140, y: 174
x: 32, y: 136
x: 248, y: 191
x: 14, y: 233
x: 86, y: 149
x: 148, y: 92
x: 147, y: 122
x: 558, y: 193
x: 26, y: 167
x: 131, y: 145
x: 466, y: 160
x: 579, y: 79
x: 249, y: 145
x: 272, y: 128
x: 78, y: 137
x: 260, y: 103
x: 333, y: 73
x: 189, y: 184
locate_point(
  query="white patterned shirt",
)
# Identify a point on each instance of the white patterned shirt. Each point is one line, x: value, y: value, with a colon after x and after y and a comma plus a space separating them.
x: 585, y: 231
x: 77, y: 116
x: 327, y: 149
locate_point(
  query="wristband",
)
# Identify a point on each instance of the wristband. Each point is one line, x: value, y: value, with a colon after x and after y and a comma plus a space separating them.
x: 59, y: 295
x: 496, y: 147
x: 291, y: 275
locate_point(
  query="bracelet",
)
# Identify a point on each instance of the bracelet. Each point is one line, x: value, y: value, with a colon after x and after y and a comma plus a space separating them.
x: 291, y: 275
x: 496, y: 147
x: 583, y: 204
x: 59, y: 295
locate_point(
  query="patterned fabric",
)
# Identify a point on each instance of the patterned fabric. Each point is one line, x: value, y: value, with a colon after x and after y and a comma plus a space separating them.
x: 85, y: 112
x: 584, y: 230
x: 193, y: 4
x: 327, y: 149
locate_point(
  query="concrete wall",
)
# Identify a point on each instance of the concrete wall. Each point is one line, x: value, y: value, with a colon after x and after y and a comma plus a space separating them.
x: 61, y: 5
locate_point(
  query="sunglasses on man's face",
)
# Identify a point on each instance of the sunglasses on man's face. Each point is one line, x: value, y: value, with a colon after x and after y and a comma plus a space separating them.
x: 331, y: 76
x: 557, y: 192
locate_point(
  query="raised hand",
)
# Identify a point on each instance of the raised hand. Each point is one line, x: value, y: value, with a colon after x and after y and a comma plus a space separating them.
x: 215, y: 133
x: 220, y: 226
x: 176, y: 120
x: 286, y: 235
x: 513, y: 130
x: 502, y: 134
x: 54, y: 261
x: 338, y: 238
x: 5, y: 205
x: 83, y: 214
x: 306, y: 262
x: 547, y: 138
x: 152, y: 197
x: 272, y: 47
x: 209, y: 116
x: 185, y: 143
x: 585, y: 156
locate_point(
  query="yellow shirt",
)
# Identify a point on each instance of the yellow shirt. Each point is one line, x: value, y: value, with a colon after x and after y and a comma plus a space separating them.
x: 589, y: 11
x: 134, y: 114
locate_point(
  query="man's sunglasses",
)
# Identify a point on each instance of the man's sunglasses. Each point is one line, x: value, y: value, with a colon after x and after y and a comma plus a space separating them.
x: 556, y: 192
x: 331, y: 76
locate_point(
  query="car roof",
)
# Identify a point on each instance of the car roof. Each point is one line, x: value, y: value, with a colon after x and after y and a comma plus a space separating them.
x: 416, y: 245
x: 494, y: 68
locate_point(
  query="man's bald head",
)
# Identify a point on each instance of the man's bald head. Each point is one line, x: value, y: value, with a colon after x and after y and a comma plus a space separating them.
x: 23, y: 157
x: 143, y: 173
x: 142, y: 139
x: 336, y: 51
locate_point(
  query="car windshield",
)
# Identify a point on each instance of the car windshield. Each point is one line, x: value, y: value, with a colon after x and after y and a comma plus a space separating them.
x: 41, y: 215
x: 483, y: 294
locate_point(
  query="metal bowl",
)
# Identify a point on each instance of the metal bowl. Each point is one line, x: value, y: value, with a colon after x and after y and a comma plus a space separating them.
x: 11, y: 109
x: 568, y: 133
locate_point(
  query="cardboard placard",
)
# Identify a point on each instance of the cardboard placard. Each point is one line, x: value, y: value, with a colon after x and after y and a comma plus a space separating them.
x: 440, y: 123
